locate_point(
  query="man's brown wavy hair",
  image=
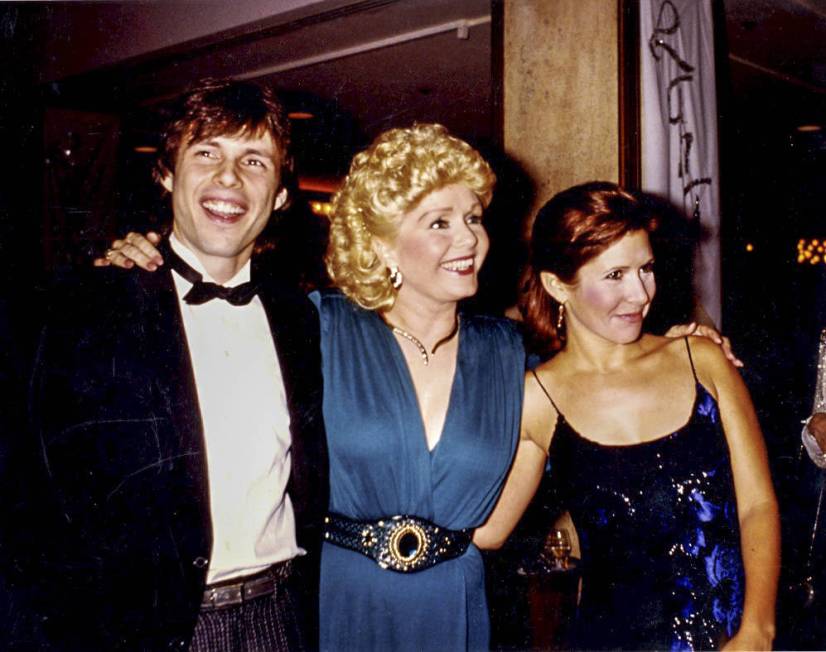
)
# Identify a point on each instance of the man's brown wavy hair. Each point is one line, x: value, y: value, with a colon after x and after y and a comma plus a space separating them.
x: 223, y: 108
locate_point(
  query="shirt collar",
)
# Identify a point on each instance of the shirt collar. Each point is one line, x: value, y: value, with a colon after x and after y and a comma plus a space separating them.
x: 242, y: 276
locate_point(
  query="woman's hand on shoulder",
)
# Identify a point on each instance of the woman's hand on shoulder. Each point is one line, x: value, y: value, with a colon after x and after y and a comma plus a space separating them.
x: 701, y: 330
x: 134, y: 249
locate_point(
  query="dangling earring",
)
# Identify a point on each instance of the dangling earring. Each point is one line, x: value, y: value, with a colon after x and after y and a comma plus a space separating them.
x: 396, y: 278
x: 560, y: 319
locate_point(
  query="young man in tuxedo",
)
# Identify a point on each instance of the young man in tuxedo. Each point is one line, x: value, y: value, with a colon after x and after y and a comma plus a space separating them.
x: 177, y: 416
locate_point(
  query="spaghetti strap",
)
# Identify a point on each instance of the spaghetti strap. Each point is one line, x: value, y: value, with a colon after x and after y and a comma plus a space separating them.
x: 691, y: 360
x: 558, y: 411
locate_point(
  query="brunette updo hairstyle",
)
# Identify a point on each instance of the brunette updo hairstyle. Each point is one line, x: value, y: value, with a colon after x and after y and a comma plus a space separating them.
x: 573, y: 227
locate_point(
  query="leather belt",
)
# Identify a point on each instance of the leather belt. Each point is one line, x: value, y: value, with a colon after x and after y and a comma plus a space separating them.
x: 219, y: 596
x: 401, y: 543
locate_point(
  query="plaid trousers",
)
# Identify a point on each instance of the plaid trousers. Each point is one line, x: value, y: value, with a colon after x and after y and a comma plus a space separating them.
x: 265, y: 624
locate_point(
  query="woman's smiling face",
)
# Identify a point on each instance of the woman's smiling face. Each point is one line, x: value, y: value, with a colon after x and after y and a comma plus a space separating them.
x: 613, y: 291
x: 440, y: 246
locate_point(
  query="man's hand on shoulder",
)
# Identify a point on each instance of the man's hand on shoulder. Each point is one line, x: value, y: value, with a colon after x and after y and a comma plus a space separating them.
x: 134, y: 249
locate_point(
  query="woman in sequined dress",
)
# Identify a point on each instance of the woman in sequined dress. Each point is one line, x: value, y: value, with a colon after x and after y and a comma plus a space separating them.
x: 653, y: 441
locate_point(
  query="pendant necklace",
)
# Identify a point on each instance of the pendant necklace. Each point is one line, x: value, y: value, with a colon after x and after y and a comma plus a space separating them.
x: 418, y: 343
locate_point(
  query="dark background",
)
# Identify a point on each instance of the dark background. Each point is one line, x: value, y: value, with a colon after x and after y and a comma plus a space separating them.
x: 81, y: 84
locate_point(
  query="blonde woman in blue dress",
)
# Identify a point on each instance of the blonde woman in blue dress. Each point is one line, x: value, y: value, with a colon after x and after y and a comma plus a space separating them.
x: 421, y: 403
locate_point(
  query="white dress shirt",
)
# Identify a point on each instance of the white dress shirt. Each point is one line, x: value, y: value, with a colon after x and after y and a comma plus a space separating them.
x: 246, y: 428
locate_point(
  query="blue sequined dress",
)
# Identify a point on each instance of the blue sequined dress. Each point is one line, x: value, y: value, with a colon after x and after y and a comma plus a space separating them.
x: 380, y: 465
x: 659, y: 535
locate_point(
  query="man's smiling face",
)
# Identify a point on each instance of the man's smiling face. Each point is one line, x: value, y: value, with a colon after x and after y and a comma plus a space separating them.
x: 224, y: 189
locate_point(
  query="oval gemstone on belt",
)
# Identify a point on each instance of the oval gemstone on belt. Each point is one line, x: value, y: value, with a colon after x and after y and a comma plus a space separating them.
x: 409, y: 544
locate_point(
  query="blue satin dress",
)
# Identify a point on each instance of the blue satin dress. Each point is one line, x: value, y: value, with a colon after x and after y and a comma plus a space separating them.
x: 380, y: 466
x: 659, y: 535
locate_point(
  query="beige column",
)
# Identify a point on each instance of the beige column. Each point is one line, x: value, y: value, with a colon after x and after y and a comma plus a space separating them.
x: 561, y: 91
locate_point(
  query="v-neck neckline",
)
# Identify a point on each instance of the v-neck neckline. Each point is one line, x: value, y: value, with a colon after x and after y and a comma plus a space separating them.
x: 410, y: 387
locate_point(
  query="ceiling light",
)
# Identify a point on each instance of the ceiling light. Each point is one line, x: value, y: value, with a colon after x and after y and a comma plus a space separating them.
x: 318, y: 184
x: 300, y: 115
x: 146, y: 149
x: 808, y: 129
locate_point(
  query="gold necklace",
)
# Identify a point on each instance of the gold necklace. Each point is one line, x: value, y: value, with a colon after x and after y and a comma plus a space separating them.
x: 418, y: 343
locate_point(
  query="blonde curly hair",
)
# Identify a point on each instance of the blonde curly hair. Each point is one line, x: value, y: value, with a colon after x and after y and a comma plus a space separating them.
x: 388, y: 179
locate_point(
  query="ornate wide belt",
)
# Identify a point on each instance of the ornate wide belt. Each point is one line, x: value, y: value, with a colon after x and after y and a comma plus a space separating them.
x: 401, y: 543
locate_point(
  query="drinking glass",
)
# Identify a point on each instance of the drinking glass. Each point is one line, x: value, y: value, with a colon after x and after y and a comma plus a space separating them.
x: 558, y: 548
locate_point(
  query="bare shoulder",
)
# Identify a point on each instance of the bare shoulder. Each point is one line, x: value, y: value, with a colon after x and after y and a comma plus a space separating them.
x: 659, y: 344
x: 538, y: 413
x: 661, y: 350
x: 708, y: 355
x: 713, y: 368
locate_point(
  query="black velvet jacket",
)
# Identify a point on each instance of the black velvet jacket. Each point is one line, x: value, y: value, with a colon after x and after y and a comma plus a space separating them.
x: 123, y: 521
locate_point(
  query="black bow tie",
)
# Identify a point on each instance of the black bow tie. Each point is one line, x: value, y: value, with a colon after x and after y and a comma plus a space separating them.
x: 203, y: 291
x: 240, y: 295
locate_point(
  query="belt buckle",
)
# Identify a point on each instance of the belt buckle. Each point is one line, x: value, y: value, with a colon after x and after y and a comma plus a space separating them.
x: 405, y: 544
x: 226, y: 596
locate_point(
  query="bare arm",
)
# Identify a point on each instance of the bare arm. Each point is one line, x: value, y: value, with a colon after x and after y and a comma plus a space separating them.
x: 134, y: 249
x: 525, y: 474
x: 756, y: 503
x: 520, y: 487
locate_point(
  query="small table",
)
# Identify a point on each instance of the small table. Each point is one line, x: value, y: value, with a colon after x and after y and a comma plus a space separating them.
x: 552, y: 601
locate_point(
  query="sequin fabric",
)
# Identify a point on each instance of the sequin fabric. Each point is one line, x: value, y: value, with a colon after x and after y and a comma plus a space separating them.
x: 820, y: 387
x: 809, y: 442
x: 659, y: 534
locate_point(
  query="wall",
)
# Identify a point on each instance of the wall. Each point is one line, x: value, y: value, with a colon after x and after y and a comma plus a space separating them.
x: 561, y: 101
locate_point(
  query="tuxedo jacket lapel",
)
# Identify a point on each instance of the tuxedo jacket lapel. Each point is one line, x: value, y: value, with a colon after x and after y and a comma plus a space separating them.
x: 177, y: 397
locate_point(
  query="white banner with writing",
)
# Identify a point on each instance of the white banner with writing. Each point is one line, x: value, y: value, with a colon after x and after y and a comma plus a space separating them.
x: 679, y: 125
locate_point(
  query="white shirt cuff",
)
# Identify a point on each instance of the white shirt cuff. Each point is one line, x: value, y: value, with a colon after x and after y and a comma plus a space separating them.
x: 818, y: 456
